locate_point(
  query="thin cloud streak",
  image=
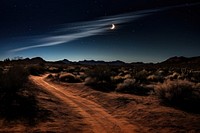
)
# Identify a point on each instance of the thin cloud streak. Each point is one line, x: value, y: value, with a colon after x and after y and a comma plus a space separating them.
x: 36, y: 46
x: 79, y: 30
x: 75, y: 31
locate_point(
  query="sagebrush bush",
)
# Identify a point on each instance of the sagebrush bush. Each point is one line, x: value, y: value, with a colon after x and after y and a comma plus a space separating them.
x: 141, y: 76
x: 194, y: 76
x: 154, y: 78
x: 1, y: 70
x: 128, y: 83
x: 180, y: 93
x: 131, y: 86
x: 90, y: 81
x: 54, y: 70
x: 118, y: 79
x: 69, y: 77
x: 13, y: 103
x: 36, y: 70
x: 13, y: 80
x: 50, y: 77
x: 100, y: 73
x: 99, y: 78
x: 1, y: 75
x: 173, y: 76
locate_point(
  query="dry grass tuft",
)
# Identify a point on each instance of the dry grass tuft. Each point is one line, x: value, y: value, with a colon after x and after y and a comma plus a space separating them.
x: 14, y: 102
x: 69, y: 78
x: 180, y: 93
x: 131, y: 86
x: 99, y: 78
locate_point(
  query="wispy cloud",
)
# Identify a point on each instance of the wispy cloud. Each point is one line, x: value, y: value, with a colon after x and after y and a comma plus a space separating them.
x: 73, y: 31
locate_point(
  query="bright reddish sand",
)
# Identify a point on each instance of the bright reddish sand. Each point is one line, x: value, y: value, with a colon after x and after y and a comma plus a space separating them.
x: 98, y: 119
x: 78, y: 108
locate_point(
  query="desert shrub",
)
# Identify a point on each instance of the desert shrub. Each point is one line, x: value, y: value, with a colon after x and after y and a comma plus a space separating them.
x: 54, y: 70
x: 13, y: 103
x: 100, y: 73
x: 50, y: 77
x: 18, y: 106
x: 13, y: 80
x: 90, y: 81
x: 126, y: 84
x: 1, y: 70
x: 127, y: 76
x: 173, y: 76
x: 194, y: 76
x: 130, y: 86
x: 36, y: 70
x: 71, y: 69
x: 141, y: 76
x: 1, y: 75
x: 118, y: 79
x: 70, y: 78
x: 82, y: 76
x: 154, y: 78
x: 180, y: 93
x: 99, y: 78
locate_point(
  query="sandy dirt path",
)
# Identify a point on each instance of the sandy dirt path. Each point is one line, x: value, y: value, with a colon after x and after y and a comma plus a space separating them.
x: 93, y: 114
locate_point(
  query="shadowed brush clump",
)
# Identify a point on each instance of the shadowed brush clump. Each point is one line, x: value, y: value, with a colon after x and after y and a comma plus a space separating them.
x: 16, y: 99
x: 180, y: 93
x: 69, y: 78
x: 36, y: 70
x: 132, y: 87
x: 99, y: 78
x: 13, y: 79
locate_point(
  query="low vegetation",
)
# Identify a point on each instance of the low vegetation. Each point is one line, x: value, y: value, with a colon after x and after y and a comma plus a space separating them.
x: 132, y: 87
x: 177, y: 87
x: 36, y: 69
x: 99, y: 78
x: 16, y: 99
x: 180, y: 93
x: 13, y: 80
x: 140, y: 90
x: 69, y: 78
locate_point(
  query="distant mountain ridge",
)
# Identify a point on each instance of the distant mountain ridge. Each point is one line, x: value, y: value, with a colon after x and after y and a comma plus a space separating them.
x: 183, y: 60
x: 171, y: 61
x: 92, y: 62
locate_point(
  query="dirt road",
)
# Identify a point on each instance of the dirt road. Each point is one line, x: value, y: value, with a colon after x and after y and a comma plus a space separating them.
x: 93, y: 114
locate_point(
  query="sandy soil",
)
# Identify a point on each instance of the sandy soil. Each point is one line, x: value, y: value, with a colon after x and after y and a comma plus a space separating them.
x: 115, y: 112
x: 94, y: 115
x: 78, y: 108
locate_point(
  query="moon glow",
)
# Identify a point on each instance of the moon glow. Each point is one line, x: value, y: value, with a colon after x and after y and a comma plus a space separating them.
x: 113, y: 27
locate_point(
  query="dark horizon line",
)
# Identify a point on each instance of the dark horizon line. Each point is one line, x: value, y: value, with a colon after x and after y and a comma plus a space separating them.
x: 22, y: 58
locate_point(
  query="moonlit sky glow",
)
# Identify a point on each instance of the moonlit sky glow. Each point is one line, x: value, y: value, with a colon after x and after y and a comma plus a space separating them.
x: 75, y: 30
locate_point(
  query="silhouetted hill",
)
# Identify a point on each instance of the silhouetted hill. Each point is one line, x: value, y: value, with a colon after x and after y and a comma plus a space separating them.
x: 182, y: 60
x: 66, y: 61
x: 176, y: 59
x: 92, y: 62
x: 189, y: 62
x: 62, y: 62
x: 171, y: 62
x: 37, y: 60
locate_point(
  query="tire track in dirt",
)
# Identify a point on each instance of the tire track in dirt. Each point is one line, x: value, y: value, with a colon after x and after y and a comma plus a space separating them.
x: 93, y: 114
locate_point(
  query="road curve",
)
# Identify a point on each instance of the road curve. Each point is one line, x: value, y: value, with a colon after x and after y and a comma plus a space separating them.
x: 93, y: 114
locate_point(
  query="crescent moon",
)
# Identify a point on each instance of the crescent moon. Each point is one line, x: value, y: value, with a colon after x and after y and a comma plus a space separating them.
x: 113, y: 27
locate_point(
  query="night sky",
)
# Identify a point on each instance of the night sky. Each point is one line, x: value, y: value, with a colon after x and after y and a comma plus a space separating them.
x: 145, y: 30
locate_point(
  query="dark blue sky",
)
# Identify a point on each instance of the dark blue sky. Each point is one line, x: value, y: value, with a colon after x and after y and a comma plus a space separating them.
x: 146, y: 30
